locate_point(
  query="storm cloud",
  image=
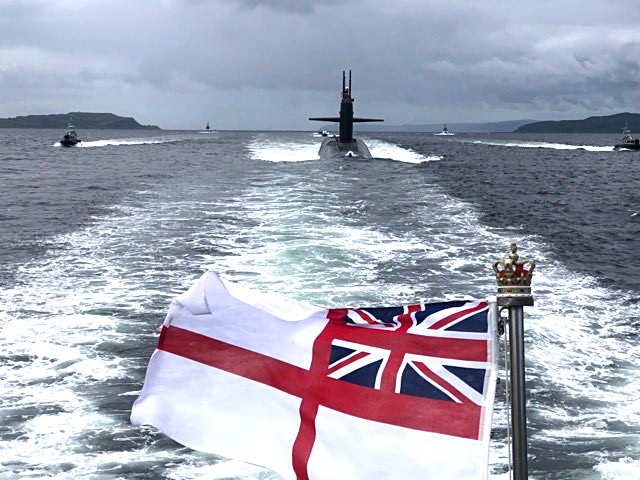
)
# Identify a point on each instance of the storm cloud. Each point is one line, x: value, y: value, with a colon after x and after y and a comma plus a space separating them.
x: 259, y: 64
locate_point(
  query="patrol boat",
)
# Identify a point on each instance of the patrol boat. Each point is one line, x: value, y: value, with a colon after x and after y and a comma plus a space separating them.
x: 345, y: 145
x: 445, y: 131
x: 627, y: 142
x: 70, y: 138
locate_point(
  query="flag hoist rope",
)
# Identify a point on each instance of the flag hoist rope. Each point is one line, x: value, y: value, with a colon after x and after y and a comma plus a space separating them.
x: 514, y: 293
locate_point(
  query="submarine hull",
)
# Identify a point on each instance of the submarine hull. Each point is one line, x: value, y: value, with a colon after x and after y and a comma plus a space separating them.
x: 333, y: 147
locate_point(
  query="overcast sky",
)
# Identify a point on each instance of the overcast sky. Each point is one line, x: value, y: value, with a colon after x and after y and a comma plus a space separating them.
x: 270, y: 64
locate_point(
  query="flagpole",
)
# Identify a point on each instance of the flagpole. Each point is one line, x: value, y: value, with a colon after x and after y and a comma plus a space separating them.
x: 514, y: 293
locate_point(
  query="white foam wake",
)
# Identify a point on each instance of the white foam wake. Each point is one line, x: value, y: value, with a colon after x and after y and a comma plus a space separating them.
x: 382, y: 149
x: 555, y: 146
x: 262, y: 148
x: 121, y: 141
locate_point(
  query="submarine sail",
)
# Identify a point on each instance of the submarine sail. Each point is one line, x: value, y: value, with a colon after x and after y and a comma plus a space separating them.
x: 345, y: 144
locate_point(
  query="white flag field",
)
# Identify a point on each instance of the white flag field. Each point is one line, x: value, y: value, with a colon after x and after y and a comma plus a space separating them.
x: 323, y: 394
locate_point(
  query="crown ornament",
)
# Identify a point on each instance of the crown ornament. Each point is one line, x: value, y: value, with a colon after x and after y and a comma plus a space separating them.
x: 511, y: 275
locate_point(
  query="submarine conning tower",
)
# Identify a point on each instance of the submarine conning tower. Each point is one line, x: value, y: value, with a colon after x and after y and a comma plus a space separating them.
x: 346, y: 117
x: 346, y: 111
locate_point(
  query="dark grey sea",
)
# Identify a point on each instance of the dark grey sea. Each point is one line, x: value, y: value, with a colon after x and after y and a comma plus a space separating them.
x: 96, y: 240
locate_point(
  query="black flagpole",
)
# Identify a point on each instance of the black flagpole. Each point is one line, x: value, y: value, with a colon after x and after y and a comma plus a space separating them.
x: 514, y: 293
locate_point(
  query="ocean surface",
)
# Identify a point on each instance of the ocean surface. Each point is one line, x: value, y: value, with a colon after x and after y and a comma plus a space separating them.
x: 96, y: 240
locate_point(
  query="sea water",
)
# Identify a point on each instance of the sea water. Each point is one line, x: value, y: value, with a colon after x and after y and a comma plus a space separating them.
x: 97, y: 239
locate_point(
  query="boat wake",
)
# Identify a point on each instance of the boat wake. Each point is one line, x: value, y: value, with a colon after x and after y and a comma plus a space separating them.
x: 554, y: 146
x: 123, y: 141
x: 282, y: 151
x: 291, y: 151
x: 117, y: 142
x: 105, y: 287
x: 382, y: 149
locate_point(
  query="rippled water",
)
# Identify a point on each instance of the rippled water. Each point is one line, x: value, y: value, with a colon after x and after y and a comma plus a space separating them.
x: 97, y: 240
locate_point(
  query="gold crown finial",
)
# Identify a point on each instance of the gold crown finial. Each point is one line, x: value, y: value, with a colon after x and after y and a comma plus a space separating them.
x: 512, y: 276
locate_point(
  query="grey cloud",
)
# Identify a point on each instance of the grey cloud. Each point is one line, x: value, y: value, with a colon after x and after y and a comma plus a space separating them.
x: 416, y: 60
x: 297, y: 6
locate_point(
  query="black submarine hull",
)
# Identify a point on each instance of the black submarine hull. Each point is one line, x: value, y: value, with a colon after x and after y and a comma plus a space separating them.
x: 333, y: 147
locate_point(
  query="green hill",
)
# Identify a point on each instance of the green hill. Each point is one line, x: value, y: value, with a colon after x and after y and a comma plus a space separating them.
x: 82, y: 120
x: 605, y: 124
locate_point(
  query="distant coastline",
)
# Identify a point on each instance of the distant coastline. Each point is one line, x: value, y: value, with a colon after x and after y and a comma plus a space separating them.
x: 109, y: 121
x: 603, y: 124
x: 81, y: 120
x: 596, y: 124
x: 487, y: 127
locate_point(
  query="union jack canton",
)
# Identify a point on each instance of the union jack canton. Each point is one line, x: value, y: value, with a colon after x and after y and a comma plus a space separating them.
x: 434, y: 358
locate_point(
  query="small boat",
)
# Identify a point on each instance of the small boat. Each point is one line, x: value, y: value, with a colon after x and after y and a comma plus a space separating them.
x: 207, y: 129
x: 321, y: 133
x: 627, y: 142
x: 445, y: 131
x: 70, y: 138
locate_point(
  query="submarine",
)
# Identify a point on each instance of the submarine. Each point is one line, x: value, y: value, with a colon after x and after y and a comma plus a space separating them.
x: 345, y: 145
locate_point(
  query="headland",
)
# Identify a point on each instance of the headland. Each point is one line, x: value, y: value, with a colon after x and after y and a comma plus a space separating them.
x: 603, y: 124
x: 81, y: 120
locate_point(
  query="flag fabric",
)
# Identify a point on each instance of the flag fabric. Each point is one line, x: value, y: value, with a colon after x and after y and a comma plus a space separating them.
x: 323, y: 394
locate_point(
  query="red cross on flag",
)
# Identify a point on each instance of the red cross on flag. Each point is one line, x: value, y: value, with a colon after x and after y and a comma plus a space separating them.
x: 322, y: 394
